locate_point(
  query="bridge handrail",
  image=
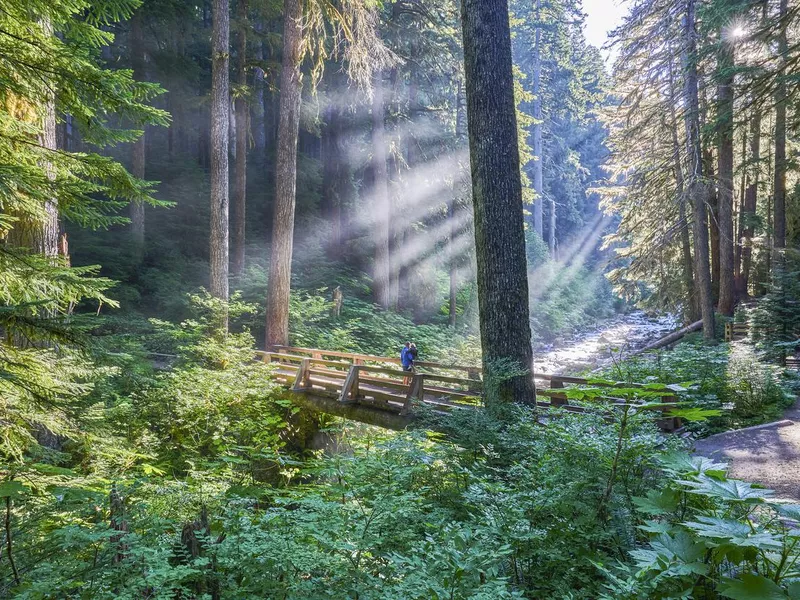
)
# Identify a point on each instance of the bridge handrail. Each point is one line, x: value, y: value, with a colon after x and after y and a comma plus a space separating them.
x: 355, y: 356
x: 415, y: 384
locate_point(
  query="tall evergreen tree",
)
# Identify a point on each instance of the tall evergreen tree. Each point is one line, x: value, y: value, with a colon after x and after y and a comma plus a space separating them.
x: 697, y: 187
x: 242, y: 128
x: 138, y: 151
x: 285, y: 177
x: 725, y: 166
x: 220, y: 107
x: 497, y: 201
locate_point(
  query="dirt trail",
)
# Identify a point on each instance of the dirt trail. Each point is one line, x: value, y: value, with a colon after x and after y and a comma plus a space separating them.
x: 768, y: 454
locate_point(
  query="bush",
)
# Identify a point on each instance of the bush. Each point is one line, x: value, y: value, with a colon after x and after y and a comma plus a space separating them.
x: 710, y: 537
x: 727, y: 377
x: 502, y: 508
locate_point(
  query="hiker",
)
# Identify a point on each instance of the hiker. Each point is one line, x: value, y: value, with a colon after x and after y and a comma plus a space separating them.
x: 414, y: 353
x: 406, y: 358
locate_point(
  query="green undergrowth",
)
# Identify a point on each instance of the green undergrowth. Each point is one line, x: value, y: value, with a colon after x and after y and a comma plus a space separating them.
x: 729, y: 378
x: 496, y: 511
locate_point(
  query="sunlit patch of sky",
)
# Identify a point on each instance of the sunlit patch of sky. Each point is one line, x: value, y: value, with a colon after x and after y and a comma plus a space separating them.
x: 602, y: 17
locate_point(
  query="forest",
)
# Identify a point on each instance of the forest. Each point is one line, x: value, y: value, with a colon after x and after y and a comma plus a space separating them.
x: 224, y: 223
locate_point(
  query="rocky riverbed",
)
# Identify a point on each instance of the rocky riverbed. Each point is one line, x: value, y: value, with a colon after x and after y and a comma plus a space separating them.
x: 612, y: 339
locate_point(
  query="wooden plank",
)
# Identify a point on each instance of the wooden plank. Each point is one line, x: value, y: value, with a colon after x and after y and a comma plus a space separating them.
x: 333, y: 374
x: 312, y: 352
x: 350, y: 387
x: 414, y: 393
x: 301, y: 381
x: 458, y: 380
x: 330, y: 363
x: 433, y: 389
x: 385, y: 371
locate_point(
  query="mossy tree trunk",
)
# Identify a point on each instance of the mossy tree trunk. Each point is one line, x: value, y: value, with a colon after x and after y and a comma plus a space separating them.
x: 138, y: 62
x: 280, y: 272
x: 497, y: 202
x: 697, y: 188
x: 220, y: 106
x: 242, y: 112
x: 725, y: 179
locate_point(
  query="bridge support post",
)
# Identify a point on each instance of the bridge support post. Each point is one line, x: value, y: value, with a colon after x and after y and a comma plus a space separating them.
x: 302, y: 381
x: 560, y: 399
x: 669, y: 423
x: 415, y: 391
x: 350, y: 387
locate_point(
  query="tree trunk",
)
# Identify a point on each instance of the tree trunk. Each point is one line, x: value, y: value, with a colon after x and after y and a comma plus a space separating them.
x: 538, y: 181
x: 750, y: 198
x: 697, y: 188
x: 280, y: 273
x: 551, y: 232
x: 461, y: 134
x: 220, y: 105
x: 779, y: 186
x: 738, y: 219
x: 259, y: 132
x: 712, y: 219
x: 497, y: 201
x: 381, y: 206
x: 41, y: 236
x: 138, y: 62
x: 692, y: 304
x: 725, y: 179
x: 670, y: 338
x: 331, y: 172
x: 240, y: 165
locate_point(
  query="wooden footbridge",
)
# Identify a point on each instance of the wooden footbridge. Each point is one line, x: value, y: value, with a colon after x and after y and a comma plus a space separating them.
x: 374, y: 389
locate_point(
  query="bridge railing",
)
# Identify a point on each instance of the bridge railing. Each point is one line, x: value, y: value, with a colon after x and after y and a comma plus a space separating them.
x: 383, y: 387
x: 365, y: 359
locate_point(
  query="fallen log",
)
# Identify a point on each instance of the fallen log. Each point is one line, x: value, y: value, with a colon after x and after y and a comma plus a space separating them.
x: 671, y: 338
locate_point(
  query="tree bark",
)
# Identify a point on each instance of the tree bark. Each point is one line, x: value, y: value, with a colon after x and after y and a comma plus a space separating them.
x: 750, y: 199
x: 41, y: 236
x: 220, y: 105
x: 497, y: 202
x: 538, y: 180
x: 697, y: 188
x: 671, y: 338
x: 381, y: 205
x: 692, y: 304
x: 280, y: 273
x: 138, y: 62
x: 259, y: 77
x: 779, y: 186
x: 461, y: 134
x: 242, y: 111
x: 551, y: 232
x: 725, y: 179
x: 331, y: 173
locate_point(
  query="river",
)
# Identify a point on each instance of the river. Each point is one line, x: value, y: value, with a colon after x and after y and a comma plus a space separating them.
x: 597, y: 348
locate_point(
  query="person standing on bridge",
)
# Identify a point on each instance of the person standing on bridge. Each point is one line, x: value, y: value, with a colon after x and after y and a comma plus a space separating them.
x: 407, y: 360
x: 407, y: 357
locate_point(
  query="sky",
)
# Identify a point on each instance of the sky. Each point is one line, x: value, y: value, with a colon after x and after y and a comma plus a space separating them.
x: 602, y: 17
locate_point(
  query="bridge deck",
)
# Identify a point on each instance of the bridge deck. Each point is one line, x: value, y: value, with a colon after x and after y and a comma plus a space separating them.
x: 372, y: 389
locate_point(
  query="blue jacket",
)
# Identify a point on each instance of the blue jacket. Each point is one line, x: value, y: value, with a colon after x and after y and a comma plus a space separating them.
x: 405, y: 357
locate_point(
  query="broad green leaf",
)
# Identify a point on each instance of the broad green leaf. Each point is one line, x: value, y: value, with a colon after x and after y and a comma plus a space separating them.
x: 658, y: 502
x: 752, y: 587
x: 737, y: 532
x: 695, y: 414
x: 12, y: 489
x: 732, y: 490
x: 683, y: 463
